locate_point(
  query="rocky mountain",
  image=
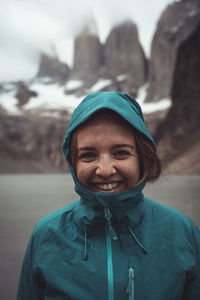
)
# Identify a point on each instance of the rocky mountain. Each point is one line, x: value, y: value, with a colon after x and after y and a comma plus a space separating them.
x: 51, y: 67
x: 179, y: 134
x: 124, y: 54
x: 88, y: 55
x: 34, y: 114
x: 31, y: 144
x: 121, y: 59
x: 174, y: 26
x: 24, y: 93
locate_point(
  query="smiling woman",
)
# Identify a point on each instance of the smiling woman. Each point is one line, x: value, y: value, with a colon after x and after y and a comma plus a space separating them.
x: 113, y: 243
x: 107, y: 159
x: 106, y: 124
x: 108, y: 155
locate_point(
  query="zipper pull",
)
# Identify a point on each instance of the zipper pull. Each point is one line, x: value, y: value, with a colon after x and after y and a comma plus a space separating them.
x: 108, y: 217
x: 130, y: 287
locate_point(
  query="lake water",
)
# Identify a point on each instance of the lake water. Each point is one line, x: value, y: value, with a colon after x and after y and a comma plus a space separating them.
x: 24, y: 199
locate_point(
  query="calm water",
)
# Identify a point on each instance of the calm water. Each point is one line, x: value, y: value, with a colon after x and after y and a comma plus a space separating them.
x: 24, y: 199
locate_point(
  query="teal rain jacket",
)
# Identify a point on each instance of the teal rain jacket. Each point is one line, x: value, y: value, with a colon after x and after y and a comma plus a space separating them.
x: 112, y: 246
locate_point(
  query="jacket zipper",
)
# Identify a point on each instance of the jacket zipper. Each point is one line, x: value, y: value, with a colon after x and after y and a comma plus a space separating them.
x: 130, y: 287
x: 110, y: 234
x: 109, y: 265
x: 108, y: 217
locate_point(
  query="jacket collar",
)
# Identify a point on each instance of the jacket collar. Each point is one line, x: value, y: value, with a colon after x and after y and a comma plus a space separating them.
x: 126, y: 206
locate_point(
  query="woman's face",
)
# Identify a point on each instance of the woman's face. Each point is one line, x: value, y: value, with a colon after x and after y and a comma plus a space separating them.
x: 107, y: 160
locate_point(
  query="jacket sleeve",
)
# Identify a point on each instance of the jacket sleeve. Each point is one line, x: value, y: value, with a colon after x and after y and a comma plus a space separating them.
x: 30, y: 284
x: 192, y: 288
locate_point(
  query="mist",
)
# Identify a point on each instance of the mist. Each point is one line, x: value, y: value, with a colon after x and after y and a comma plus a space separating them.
x: 30, y: 27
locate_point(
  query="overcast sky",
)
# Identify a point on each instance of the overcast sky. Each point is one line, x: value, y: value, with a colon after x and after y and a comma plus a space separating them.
x: 28, y: 27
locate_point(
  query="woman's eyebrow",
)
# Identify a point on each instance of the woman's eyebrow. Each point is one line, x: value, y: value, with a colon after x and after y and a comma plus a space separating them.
x: 116, y: 146
x: 123, y: 145
x: 86, y: 149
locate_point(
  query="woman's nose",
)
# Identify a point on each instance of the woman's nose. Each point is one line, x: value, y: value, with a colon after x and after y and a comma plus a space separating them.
x: 105, y: 167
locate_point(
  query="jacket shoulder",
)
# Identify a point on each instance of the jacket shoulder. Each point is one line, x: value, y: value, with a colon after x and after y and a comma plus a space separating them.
x: 56, y: 218
x: 163, y: 212
x: 168, y: 220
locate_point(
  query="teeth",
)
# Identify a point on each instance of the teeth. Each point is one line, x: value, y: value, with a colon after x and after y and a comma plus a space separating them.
x: 107, y: 186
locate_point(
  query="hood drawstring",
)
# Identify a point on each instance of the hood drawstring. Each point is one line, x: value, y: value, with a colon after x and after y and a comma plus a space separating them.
x: 85, y: 243
x: 113, y: 234
x: 130, y: 287
x: 131, y: 273
x: 137, y: 241
x: 108, y: 217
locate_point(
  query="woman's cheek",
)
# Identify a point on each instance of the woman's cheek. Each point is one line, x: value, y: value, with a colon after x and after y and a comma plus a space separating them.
x: 83, y: 171
x: 132, y: 170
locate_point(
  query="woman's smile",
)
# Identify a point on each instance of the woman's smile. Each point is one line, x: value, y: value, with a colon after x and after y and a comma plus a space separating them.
x: 109, y: 187
x: 107, y: 160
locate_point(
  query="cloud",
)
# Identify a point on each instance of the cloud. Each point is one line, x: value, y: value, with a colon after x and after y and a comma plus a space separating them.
x: 29, y: 27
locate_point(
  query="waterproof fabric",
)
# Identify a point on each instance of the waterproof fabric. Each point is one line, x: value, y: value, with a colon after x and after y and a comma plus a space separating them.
x: 112, y: 246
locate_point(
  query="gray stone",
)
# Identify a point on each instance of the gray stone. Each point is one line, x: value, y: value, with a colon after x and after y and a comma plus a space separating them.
x: 50, y: 66
x: 174, y: 26
x: 124, y: 54
x: 180, y: 130
x: 88, y: 54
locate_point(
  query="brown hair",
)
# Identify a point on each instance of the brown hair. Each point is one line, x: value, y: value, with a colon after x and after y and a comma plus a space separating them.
x: 149, y: 162
x: 150, y: 165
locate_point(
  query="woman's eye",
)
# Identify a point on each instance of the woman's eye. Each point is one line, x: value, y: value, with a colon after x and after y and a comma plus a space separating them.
x: 121, y: 154
x: 87, y: 156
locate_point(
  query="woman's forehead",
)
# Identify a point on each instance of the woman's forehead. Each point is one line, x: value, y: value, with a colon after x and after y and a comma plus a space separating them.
x: 105, y: 116
x: 105, y: 126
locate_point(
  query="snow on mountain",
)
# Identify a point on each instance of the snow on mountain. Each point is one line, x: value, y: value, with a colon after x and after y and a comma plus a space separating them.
x: 9, y: 103
x: 151, y: 107
x: 52, y: 97
x: 100, y: 84
x: 73, y: 84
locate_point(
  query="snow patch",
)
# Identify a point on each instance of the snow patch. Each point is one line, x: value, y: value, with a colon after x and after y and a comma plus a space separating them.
x: 151, y: 107
x: 100, y: 84
x: 160, y: 105
x: 52, y: 114
x: 45, y: 80
x: 9, y: 86
x: 9, y: 103
x: 193, y: 13
x: 51, y: 96
x: 73, y: 84
x: 141, y: 94
x: 122, y: 77
x: 174, y: 29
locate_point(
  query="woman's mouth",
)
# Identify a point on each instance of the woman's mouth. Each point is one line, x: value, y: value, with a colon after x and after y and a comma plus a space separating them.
x: 107, y: 187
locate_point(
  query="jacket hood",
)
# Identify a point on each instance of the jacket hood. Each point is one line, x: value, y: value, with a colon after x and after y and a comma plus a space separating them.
x: 129, y: 109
